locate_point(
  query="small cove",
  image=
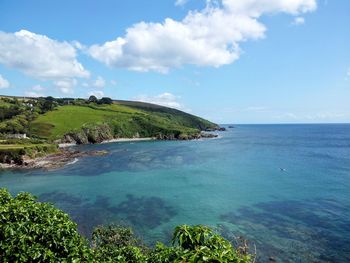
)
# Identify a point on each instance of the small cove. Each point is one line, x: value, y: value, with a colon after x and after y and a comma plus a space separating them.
x: 234, y: 183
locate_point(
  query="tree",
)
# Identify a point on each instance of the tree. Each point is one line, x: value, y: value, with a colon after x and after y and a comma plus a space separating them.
x: 105, y: 100
x: 93, y: 99
x: 48, y: 104
x: 117, y: 242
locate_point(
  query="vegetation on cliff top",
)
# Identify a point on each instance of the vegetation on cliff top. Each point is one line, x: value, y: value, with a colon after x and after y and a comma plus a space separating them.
x: 123, y: 120
x: 38, y: 232
x: 52, y: 119
x: 86, y: 121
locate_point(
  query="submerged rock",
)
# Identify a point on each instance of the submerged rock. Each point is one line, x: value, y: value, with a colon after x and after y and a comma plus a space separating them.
x: 208, y: 135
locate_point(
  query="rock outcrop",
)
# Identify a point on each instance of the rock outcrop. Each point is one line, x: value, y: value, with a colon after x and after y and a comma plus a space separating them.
x: 93, y: 134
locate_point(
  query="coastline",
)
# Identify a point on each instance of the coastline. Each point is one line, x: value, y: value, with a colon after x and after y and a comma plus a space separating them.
x: 203, y: 135
x: 67, y: 155
x: 66, y: 145
x: 52, y: 161
x: 129, y: 140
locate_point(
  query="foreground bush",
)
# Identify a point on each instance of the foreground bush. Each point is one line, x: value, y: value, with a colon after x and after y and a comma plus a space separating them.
x: 38, y: 232
x: 117, y: 244
x: 197, y: 244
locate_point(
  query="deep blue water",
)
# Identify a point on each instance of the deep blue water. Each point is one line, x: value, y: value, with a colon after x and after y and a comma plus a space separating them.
x: 233, y: 183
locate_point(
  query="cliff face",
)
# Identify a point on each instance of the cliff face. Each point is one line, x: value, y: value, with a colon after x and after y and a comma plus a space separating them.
x: 103, y: 132
x: 92, y: 134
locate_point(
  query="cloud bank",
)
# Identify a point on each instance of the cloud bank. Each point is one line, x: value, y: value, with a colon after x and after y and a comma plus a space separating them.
x: 165, y: 99
x: 97, y: 93
x: 4, y: 83
x: 39, y: 56
x: 298, y: 21
x: 210, y: 37
x: 180, y: 2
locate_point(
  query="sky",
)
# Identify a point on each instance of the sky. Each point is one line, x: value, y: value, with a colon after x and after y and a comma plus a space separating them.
x: 230, y: 61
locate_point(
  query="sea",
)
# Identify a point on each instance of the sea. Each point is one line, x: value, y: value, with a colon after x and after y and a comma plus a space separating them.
x: 283, y: 189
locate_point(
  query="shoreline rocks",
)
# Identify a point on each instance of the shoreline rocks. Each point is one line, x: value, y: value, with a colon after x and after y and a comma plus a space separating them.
x: 88, y: 136
x: 207, y: 135
x: 94, y: 134
x: 215, y: 129
x: 52, y: 161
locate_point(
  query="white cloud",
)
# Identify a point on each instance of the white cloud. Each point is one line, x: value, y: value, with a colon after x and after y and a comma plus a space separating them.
x: 321, y: 116
x: 39, y: 56
x: 298, y: 21
x: 347, y: 74
x: 97, y: 93
x: 4, y: 83
x: 66, y: 86
x: 325, y: 116
x: 256, y: 8
x: 113, y: 82
x: 99, y: 82
x: 34, y: 94
x: 181, y: 2
x: 165, y: 99
x: 36, y: 91
x: 38, y: 88
x: 210, y: 37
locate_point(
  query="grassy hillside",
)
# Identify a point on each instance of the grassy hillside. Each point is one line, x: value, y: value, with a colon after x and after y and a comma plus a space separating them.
x: 48, y: 121
x: 183, y: 118
x: 125, y: 119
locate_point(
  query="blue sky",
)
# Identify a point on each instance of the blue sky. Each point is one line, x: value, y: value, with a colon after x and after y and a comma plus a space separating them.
x: 231, y: 61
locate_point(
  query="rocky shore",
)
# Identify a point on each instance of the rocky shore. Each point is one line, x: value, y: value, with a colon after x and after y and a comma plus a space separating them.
x: 52, y: 161
x: 103, y: 133
x: 66, y: 155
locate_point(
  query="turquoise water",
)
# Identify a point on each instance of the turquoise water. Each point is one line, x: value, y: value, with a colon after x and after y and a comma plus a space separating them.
x: 234, y: 183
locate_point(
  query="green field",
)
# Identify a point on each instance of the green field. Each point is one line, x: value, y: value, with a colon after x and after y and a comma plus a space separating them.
x: 124, y: 120
x: 56, y: 123
x: 86, y: 121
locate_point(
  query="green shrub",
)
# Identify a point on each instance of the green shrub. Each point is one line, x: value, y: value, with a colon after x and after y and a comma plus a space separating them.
x: 117, y: 244
x: 12, y: 155
x: 197, y: 244
x: 37, y: 232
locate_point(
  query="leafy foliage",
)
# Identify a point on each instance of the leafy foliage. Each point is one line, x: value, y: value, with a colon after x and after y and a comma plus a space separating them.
x: 198, y: 244
x: 13, y: 150
x: 117, y: 242
x: 105, y: 100
x: 93, y: 99
x: 37, y: 232
x: 12, y: 155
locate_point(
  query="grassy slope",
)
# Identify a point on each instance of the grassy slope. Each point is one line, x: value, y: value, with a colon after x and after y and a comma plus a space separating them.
x: 125, y: 118
x: 176, y: 116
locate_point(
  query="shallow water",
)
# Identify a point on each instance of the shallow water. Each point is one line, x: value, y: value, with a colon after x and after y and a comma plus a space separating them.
x: 300, y: 213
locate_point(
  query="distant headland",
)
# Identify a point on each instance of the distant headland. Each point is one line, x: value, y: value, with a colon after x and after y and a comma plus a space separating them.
x: 33, y: 130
